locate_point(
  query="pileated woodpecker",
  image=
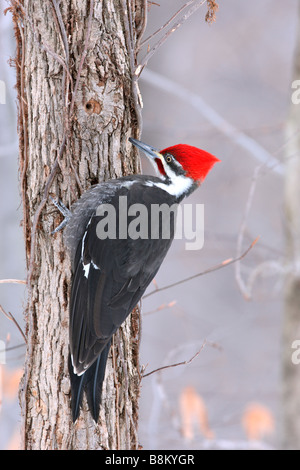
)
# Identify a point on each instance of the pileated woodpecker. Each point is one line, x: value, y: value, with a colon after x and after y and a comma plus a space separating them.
x: 111, y: 274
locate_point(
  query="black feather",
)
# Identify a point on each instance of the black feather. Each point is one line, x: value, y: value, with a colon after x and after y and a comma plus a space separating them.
x: 95, y: 376
x: 91, y: 382
x: 77, y: 387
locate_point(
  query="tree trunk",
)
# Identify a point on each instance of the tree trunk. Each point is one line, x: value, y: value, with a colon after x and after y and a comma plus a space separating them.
x: 76, y: 111
x: 291, y: 322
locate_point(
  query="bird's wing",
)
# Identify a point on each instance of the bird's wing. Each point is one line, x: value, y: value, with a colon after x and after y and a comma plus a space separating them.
x: 110, y: 276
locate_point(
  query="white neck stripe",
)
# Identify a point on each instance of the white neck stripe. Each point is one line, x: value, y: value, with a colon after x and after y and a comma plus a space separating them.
x: 177, y: 187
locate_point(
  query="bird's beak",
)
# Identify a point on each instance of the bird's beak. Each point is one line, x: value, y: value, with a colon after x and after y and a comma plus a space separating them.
x: 149, y: 151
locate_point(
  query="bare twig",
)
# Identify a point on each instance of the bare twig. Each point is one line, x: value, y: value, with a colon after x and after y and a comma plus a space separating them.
x: 12, y: 318
x: 63, y: 35
x: 130, y: 22
x: 224, y: 263
x: 141, y: 28
x: 76, y: 176
x: 182, y: 363
x: 270, y: 267
x: 23, y: 133
x: 213, y: 117
x: 12, y: 281
x: 241, y: 284
x: 132, y: 55
x: 13, y: 348
x: 196, y: 4
x: 167, y: 23
x: 62, y: 28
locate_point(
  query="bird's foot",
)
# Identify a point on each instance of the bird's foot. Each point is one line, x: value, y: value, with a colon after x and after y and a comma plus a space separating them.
x: 64, y: 211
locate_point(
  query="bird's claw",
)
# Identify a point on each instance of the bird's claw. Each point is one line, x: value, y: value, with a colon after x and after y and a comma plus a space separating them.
x: 64, y: 211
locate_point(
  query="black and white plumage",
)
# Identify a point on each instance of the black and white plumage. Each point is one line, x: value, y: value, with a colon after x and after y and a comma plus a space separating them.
x: 111, y: 275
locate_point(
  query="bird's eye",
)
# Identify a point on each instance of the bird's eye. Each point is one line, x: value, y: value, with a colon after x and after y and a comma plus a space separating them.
x: 168, y: 158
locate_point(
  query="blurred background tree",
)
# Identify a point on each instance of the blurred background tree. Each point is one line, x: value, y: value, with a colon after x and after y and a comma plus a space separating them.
x: 291, y: 319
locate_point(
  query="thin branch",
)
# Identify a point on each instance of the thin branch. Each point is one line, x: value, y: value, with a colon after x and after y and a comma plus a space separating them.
x: 265, y: 268
x: 129, y: 9
x: 12, y: 318
x: 241, y: 284
x: 62, y: 28
x: 167, y: 23
x: 177, y: 363
x: 170, y: 31
x: 142, y: 27
x: 128, y: 34
x: 76, y: 176
x: 224, y: 263
x: 23, y: 146
x: 12, y: 348
x: 63, y: 35
x: 214, y: 118
x: 131, y: 52
x: 12, y: 281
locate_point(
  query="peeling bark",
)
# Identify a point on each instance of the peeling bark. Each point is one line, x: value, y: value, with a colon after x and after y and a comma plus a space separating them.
x: 73, y: 133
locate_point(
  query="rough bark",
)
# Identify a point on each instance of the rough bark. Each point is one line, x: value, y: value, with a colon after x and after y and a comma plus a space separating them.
x: 76, y: 112
x: 291, y: 321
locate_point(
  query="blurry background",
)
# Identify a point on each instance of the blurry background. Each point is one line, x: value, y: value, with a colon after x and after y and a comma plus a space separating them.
x: 241, y: 66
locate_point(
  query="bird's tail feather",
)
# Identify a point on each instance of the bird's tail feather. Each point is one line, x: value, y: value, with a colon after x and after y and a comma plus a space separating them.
x: 94, y: 383
x: 77, y: 386
x: 91, y: 381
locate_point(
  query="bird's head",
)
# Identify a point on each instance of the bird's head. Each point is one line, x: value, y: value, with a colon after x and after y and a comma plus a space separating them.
x: 180, y: 160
